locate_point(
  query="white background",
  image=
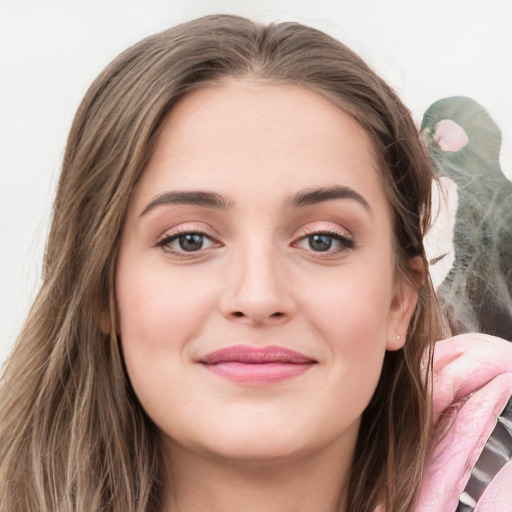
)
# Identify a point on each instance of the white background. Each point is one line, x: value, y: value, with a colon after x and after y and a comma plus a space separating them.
x: 50, y: 51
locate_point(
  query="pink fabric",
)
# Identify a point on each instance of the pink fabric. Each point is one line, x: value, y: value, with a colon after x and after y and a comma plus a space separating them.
x: 472, y: 384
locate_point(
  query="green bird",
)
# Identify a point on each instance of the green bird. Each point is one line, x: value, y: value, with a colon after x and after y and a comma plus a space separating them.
x: 464, y: 143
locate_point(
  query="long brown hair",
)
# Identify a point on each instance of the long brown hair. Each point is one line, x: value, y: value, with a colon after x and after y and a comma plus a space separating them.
x: 73, y: 437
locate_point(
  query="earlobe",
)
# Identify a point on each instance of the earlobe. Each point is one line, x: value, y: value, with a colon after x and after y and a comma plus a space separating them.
x: 402, y: 308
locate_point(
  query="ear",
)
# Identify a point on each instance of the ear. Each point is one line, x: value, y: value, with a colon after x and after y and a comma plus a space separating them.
x: 402, y: 308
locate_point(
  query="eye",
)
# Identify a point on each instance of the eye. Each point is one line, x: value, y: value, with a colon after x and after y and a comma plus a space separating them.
x: 320, y: 242
x: 186, y: 242
x: 326, y: 242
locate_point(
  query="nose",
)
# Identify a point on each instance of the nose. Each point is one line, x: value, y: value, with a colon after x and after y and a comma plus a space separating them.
x: 258, y: 291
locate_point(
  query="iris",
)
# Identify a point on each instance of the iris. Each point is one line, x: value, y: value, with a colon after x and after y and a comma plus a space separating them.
x: 320, y: 242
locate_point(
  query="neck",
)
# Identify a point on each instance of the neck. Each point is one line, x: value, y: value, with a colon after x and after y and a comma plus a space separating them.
x: 203, y: 483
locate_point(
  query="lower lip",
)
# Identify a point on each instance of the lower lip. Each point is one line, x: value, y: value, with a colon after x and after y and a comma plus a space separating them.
x: 268, y: 373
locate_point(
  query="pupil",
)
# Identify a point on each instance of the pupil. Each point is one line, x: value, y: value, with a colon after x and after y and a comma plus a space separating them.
x: 191, y: 242
x: 320, y: 242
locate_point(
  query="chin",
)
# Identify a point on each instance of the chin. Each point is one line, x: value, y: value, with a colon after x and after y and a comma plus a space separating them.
x: 267, y: 440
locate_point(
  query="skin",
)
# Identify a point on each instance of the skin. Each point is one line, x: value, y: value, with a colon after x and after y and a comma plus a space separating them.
x: 258, y: 281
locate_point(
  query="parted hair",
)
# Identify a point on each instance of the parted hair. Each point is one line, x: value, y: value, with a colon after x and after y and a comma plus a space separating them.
x: 73, y: 436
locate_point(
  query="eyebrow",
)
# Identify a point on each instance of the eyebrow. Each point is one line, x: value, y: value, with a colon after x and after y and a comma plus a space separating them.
x: 319, y: 195
x: 302, y: 198
x: 194, y: 198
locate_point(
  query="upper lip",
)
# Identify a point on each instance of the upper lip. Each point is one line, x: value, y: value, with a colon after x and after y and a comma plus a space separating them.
x: 255, y: 355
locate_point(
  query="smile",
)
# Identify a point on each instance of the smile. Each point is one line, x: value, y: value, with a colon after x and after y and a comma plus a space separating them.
x: 250, y: 365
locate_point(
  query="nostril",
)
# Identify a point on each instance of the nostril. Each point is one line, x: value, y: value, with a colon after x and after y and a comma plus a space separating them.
x: 258, y: 317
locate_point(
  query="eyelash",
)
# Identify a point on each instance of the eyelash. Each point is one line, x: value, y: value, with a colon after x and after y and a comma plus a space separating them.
x: 165, y: 241
x: 345, y: 242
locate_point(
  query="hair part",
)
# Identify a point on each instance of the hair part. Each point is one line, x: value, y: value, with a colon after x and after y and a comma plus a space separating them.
x: 73, y: 436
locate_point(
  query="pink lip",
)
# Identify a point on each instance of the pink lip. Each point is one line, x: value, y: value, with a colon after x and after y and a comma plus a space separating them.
x: 266, y: 365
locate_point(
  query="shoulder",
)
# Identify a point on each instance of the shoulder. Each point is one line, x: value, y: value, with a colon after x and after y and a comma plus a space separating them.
x: 472, y: 385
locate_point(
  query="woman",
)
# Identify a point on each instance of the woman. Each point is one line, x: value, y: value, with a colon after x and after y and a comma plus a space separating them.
x: 236, y: 313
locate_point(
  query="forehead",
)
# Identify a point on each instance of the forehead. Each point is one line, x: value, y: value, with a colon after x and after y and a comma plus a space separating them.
x: 252, y: 136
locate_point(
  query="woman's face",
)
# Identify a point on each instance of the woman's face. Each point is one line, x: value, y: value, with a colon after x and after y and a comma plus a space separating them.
x: 255, y: 276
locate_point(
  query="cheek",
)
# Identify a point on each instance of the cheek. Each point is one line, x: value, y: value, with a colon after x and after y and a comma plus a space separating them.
x: 159, y: 313
x: 352, y: 319
x: 159, y: 308
x: 352, y: 305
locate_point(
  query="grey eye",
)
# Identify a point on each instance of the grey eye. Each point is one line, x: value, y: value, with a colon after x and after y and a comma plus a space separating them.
x: 191, y: 242
x: 320, y: 242
x: 187, y: 243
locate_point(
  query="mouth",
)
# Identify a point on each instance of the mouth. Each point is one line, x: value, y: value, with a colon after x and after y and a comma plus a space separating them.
x: 250, y: 365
